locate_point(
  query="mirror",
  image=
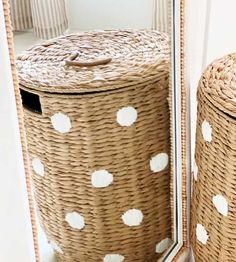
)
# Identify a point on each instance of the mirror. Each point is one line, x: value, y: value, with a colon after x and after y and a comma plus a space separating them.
x: 104, y: 129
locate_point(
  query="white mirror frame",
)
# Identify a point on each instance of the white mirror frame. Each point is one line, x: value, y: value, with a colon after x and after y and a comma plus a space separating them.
x: 181, y: 146
x: 19, y: 241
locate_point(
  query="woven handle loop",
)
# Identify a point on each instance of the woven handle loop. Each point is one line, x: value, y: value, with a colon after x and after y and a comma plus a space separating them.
x: 69, y: 61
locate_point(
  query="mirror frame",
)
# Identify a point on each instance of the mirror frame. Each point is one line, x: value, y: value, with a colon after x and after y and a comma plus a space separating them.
x: 180, y: 124
x: 180, y: 114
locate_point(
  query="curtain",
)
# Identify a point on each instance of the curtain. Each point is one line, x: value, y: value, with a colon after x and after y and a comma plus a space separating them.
x: 161, y: 15
x: 47, y: 17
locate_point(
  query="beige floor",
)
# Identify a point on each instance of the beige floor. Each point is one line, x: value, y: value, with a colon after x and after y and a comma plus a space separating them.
x: 23, y: 40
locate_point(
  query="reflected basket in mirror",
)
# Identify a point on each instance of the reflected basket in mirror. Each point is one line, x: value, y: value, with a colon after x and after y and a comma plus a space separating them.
x: 213, y: 228
x: 97, y: 122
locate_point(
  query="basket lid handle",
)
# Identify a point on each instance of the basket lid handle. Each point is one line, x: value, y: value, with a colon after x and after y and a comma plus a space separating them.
x: 69, y: 61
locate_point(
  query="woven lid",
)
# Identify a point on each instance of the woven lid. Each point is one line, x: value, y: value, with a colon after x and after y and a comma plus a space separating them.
x: 94, y: 61
x: 219, y: 84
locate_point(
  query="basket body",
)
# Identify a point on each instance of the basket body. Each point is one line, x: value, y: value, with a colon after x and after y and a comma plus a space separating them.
x: 100, y: 169
x: 213, y: 224
x: 97, y: 142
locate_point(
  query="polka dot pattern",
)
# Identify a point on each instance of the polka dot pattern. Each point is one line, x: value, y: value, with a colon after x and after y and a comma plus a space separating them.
x: 195, y: 171
x: 221, y: 204
x: 56, y: 247
x: 201, y: 233
x: 98, y: 77
x: 38, y: 166
x: 61, y: 123
x: 132, y: 217
x: 113, y: 258
x: 206, y: 131
x: 101, y: 178
x: 159, y: 162
x: 163, y: 245
x: 126, y: 116
x: 75, y: 220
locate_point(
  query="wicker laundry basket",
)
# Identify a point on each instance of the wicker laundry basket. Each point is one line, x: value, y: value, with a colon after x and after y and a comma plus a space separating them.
x: 97, y: 123
x: 214, y: 191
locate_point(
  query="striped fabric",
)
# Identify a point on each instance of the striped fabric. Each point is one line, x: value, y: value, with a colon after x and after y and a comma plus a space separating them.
x: 161, y: 15
x: 21, y: 14
x: 47, y: 17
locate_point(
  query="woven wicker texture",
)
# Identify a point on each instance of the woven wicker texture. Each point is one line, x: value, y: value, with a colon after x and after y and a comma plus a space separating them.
x: 123, y: 134
x: 213, y: 225
x: 136, y: 55
x: 220, y: 84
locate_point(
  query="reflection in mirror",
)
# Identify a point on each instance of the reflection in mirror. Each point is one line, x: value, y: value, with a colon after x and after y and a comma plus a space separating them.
x: 94, y: 82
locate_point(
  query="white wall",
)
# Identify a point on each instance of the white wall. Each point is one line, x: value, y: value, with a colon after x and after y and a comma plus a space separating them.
x: 109, y: 14
x: 222, y: 32
x: 196, y: 19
